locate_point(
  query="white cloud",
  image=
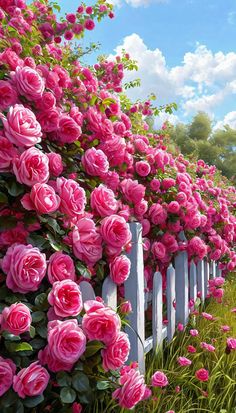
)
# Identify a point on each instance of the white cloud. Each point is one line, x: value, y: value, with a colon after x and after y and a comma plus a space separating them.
x: 203, y: 80
x: 229, y: 119
x: 137, y: 3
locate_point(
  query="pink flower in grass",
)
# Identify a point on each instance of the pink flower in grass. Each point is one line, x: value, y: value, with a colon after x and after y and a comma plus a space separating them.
x: 207, y: 346
x: 231, y: 343
x: 191, y: 349
x: 193, y: 332
x: 159, y: 379
x: 202, y: 375
x: 183, y: 361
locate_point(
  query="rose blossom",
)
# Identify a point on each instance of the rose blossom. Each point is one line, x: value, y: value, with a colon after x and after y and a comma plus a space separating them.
x: 158, y: 250
x: 16, y: 319
x: 132, y: 190
x: 68, y: 130
x: 45, y: 358
x: 76, y: 408
x: 29, y: 83
x: 25, y: 267
x: 103, y: 201
x: 60, y: 267
x: 66, y: 340
x: 183, y: 361
x: 120, y: 269
x: 87, y: 242
x: 55, y: 163
x: 72, y: 197
x: 125, y: 307
x: 95, y: 162
x: 157, y: 214
x: 31, y: 167
x: 159, y: 379
x: 7, y: 154
x: 21, y: 126
x: 7, y: 370
x: 115, y: 231
x: 8, y: 95
x: 31, y: 381
x: 142, y: 168
x: 66, y: 298
x: 100, y: 322
x: 42, y: 198
x: 116, y: 354
x: 133, y: 388
x: 202, y: 374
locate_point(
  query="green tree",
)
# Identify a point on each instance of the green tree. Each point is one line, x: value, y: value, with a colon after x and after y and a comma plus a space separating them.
x: 200, y: 127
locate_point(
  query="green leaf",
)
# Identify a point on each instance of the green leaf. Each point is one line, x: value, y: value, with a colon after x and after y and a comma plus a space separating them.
x: 33, y: 401
x: 103, y: 385
x: 38, y: 316
x: 10, y: 337
x: 63, y: 379
x: 42, y: 331
x: 37, y: 343
x: 52, y: 222
x: 41, y: 301
x: 37, y: 241
x: 54, y: 244
x: 80, y: 382
x: 15, y: 189
x: 14, y: 347
x: 32, y: 331
x: 82, y: 270
x: 3, y: 198
x: 67, y: 395
x: 93, y: 347
x: 8, y: 399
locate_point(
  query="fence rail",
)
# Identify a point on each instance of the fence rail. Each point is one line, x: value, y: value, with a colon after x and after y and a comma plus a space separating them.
x: 183, y: 283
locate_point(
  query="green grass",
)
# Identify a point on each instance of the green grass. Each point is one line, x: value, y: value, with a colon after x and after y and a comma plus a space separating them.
x: 221, y: 386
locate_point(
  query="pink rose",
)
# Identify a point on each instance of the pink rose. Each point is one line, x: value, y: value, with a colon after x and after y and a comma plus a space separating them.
x: 49, y: 120
x: 31, y: 381
x: 55, y: 163
x: 132, y: 190
x: 66, y: 340
x: 10, y: 57
x: 87, y: 242
x: 116, y: 353
x: 173, y: 207
x: 202, y: 375
x: 7, y: 154
x: 95, y: 162
x: 60, y: 267
x: 157, y: 214
x: 141, y: 208
x: 197, y: 247
x: 68, y: 130
x: 115, y: 231
x: 8, y: 95
x: 133, y: 388
x: 76, y: 408
x: 159, y: 379
x: 142, y: 168
x: 73, y: 199
x: 103, y: 201
x: 25, y: 267
x: 125, y: 307
x: 31, y: 167
x: 14, y: 235
x: 42, y: 198
x: 120, y: 269
x: 45, y: 358
x: 47, y: 101
x: 16, y: 319
x: 158, y: 250
x: 29, y: 83
x: 21, y: 126
x: 7, y: 370
x: 101, y: 323
x: 66, y: 298
x: 183, y: 361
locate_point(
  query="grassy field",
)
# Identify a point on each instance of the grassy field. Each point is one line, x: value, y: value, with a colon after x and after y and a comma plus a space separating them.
x: 185, y: 393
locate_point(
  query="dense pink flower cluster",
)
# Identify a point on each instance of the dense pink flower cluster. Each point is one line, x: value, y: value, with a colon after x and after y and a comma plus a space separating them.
x: 77, y: 165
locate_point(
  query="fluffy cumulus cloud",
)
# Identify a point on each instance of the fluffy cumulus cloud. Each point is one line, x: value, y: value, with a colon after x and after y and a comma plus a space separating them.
x: 203, y: 80
x: 229, y: 119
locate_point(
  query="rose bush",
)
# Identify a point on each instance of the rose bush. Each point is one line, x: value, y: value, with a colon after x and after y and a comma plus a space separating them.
x: 78, y: 163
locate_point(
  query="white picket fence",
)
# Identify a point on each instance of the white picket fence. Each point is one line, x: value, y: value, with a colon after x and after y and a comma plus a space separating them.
x: 182, y: 284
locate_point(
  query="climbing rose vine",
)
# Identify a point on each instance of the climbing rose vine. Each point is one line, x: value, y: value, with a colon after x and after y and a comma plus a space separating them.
x: 77, y: 164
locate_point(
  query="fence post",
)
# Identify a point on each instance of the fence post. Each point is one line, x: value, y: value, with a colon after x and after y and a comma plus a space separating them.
x: 218, y: 271
x: 200, y: 279
x: 181, y: 285
x: 206, y: 277
x: 213, y: 269
x: 87, y: 291
x: 157, y: 321
x: 170, y: 297
x: 134, y: 292
x: 193, y: 281
x: 109, y: 293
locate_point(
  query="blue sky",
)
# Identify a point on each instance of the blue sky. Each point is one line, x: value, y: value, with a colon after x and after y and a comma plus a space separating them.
x: 185, y: 48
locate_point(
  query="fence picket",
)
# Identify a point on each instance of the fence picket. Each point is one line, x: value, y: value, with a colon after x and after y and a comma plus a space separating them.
x: 193, y: 281
x: 157, y: 311
x: 134, y: 292
x: 87, y: 291
x: 109, y: 293
x: 218, y: 271
x: 170, y: 297
x: 206, y: 277
x: 200, y: 279
x: 181, y: 287
x: 213, y: 269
